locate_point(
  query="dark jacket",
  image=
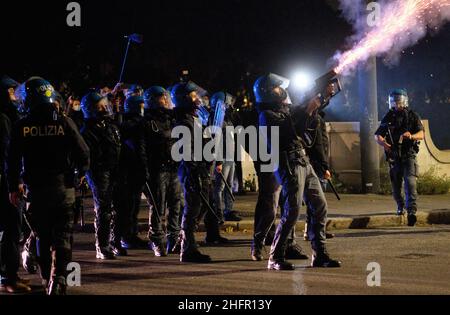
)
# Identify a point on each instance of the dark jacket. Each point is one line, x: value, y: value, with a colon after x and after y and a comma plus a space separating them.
x: 103, y: 138
x: 159, y: 141
x: 398, y: 123
x: 312, y: 130
x: 78, y: 118
x: 280, y: 116
x: 133, y: 155
x: 196, y: 165
x: 46, y: 150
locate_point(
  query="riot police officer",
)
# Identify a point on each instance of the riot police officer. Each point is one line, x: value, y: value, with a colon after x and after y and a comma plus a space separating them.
x: 47, y: 146
x: 265, y: 211
x: 133, y: 173
x: 164, y: 183
x: 9, y: 215
x: 294, y: 172
x: 317, y: 151
x: 399, y: 134
x: 194, y: 172
x: 103, y: 138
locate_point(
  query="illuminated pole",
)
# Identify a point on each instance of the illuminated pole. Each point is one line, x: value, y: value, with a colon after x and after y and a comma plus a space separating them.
x: 370, y: 159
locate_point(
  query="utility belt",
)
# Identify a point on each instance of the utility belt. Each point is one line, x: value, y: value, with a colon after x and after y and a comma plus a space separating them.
x: 295, y: 156
x: 395, y: 159
x: 290, y: 159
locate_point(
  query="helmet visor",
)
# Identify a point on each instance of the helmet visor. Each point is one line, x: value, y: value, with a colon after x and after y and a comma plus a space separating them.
x: 282, y: 81
x: 283, y: 84
x: 20, y: 93
x: 398, y: 101
x: 200, y: 91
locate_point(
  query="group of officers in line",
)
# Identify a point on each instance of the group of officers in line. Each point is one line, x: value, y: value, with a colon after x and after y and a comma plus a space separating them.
x: 46, y: 155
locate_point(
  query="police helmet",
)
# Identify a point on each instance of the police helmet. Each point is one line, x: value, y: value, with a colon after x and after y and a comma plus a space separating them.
x: 271, y: 88
x: 181, y: 95
x: 6, y: 83
x: 134, y: 105
x: 88, y: 104
x: 398, y: 97
x: 35, y: 92
x: 152, y: 94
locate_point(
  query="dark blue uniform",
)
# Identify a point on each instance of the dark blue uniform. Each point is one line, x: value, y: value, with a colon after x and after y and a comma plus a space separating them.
x: 43, y: 153
x: 103, y: 139
x: 133, y: 174
x: 164, y: 181
x: 402, y: 160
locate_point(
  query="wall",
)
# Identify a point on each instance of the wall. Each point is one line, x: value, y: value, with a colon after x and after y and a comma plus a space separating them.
x: 345, y: 157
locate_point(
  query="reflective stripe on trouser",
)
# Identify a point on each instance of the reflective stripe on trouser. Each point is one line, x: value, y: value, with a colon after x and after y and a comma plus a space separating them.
x: 101, y: 184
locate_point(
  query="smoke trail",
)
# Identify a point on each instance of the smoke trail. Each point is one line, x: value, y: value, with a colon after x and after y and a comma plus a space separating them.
x: 402, y: 24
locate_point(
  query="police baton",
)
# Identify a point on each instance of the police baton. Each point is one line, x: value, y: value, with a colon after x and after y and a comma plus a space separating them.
x: 205, y: 201
x: 334, y: 189
x: 22, y: 207
x: 227, y: 187
x: 27, y: 222
x: 153, y: 201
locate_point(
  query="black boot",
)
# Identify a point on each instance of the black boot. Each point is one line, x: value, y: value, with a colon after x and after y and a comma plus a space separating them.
x: 158, y: 249
x: 57, y: 286
x: 194, y: 256
x: 256, y: 252
x: 329, y: 235
x: 15, y: 287
x: 134, y: 242
x: 412, y: 219
x: 118, y: 250
x: 232, y: 216
x: 104, y: 253
x: 322, y: 259
x: 279, y: 264
x: 295, y: 252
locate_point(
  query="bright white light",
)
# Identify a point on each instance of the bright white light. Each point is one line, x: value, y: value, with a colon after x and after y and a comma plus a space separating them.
x: 302, y: 81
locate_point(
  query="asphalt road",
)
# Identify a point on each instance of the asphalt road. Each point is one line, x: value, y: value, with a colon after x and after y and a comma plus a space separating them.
x: 412, y: 261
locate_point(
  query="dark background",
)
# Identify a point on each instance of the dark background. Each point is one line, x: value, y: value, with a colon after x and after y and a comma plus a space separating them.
x: 225, y: 44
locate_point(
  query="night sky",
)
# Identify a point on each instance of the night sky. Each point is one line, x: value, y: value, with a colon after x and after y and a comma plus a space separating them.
x: 225, y: 44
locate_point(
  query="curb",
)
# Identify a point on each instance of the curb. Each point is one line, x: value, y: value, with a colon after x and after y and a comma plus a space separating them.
x: 439, y: 216
x: 361, y: 222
